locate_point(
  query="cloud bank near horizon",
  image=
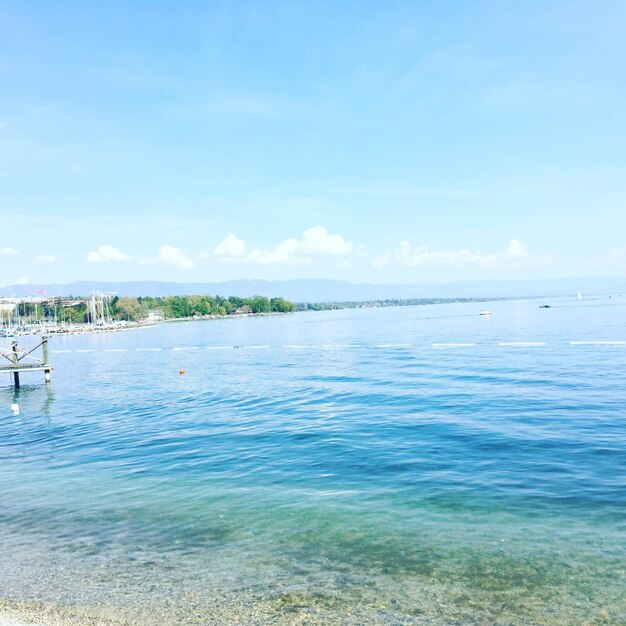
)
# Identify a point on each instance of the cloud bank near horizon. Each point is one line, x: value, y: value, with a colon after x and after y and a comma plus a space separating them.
x: 318, y: 253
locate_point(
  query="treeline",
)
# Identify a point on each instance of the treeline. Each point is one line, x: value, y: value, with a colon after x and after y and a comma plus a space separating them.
x: 176, y: 307
x: 329, y: 306
x: 135, y: 309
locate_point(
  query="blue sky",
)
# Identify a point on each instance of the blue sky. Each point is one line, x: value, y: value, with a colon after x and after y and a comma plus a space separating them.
x: 377, y: 142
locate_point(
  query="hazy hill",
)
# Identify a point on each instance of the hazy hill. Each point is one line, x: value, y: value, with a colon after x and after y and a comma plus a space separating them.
x: 331, y: 290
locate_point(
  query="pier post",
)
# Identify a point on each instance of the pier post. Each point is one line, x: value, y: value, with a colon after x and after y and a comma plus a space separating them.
x: 44, y: 347
x: 16, y: 375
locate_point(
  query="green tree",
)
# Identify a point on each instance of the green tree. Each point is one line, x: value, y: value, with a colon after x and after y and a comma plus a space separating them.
x: 259, y: 304
x: 127, y: 308
x: 180, y: 307
x: 280, y: 305
x: 236, y: 301
x: 196, y: 305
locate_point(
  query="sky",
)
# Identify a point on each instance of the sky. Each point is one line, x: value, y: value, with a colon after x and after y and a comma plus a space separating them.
x: 380, y: 142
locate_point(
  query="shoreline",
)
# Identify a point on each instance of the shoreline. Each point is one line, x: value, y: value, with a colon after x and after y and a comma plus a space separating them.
x: 207, y: 318
x: 89, y: 330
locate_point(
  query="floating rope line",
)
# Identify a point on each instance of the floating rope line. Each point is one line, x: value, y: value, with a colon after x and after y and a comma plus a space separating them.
x: 340, y: 346
x: 597, y: 343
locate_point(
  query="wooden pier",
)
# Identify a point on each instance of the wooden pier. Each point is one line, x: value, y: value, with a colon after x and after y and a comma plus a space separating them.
x: 18, y: 366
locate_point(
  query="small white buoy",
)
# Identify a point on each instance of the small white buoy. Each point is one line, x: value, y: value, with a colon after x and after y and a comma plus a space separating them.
x: 15, y: 408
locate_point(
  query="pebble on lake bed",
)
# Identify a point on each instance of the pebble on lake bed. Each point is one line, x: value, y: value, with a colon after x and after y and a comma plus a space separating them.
x: 603, y: 615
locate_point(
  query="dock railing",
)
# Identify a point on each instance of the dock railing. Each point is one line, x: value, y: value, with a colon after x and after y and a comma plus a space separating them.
x: 21, y: 361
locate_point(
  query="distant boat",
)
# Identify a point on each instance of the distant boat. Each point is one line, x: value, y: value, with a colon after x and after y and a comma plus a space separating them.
x: 579, y: 296
x: 545, y: 306
x: 485, y: 312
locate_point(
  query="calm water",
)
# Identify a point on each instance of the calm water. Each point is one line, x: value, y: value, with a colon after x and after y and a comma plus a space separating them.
x: 336, y: 467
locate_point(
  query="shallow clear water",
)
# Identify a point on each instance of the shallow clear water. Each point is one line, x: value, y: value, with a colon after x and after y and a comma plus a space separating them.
x: 335, y: 467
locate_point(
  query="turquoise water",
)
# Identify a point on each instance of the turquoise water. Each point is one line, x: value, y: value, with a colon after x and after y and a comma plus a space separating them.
x: 343, y: 467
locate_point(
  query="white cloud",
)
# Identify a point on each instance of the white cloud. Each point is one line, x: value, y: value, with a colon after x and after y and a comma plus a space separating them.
x: 170, y: 257
x: 514, y: 255
x: 8, y: 251
x: 315, y: 242
x: 45, y: 258
x: 285, y: 252
x: 230, y: 249
x: 106, y: 254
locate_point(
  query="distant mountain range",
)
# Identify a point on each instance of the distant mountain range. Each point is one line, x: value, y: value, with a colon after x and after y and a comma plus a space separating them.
x: 313, y: 290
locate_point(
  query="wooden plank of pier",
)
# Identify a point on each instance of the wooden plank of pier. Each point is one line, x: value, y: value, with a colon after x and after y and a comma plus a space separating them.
x: 26, y: 367
x: 16, y: 367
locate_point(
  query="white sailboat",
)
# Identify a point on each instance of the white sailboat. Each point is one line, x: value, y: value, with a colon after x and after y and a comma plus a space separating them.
x: 99, y: 309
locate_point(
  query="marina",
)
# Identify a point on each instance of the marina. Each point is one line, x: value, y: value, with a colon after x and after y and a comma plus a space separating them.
x: 21, y: 317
